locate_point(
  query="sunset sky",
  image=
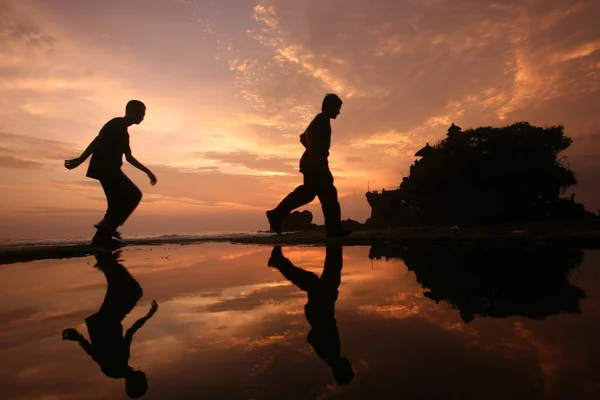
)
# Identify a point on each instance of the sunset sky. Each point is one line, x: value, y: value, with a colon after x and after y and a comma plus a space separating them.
x: 230, y: 84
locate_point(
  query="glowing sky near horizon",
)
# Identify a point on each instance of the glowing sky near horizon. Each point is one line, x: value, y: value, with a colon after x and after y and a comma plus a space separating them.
x: 230, y: 85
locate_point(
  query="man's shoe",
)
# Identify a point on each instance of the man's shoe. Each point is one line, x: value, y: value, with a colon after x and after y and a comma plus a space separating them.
x: 104, y: 240
x: 105, y: 228
x: 275, y: 221
x: 106, y: 243
x: 276, y: 257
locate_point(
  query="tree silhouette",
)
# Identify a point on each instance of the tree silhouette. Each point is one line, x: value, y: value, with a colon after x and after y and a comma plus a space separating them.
x: 487, y: 173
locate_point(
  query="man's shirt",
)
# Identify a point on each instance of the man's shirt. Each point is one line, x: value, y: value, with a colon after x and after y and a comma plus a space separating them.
x: 112, y: 142
x: 317, y: 140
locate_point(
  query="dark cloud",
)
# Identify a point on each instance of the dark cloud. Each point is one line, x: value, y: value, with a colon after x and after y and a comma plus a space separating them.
x: 19, y: 31
x: 354, y: 159
x: 208, y: 169
x: 215, y: 187
x: 18, y: 314
x: 8, y: 161
x: 85, y: 184
x: 28, y: 152
x: 252, y: 160
x: 59, y: 210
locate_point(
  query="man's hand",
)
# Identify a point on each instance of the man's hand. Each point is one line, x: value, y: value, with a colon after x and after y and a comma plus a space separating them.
x: 71, y: 334
x: 152, y: 178
x: 153, y: 307
x: 74, y: 163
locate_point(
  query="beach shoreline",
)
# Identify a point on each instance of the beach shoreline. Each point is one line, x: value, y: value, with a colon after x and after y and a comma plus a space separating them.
x: 579, y: 235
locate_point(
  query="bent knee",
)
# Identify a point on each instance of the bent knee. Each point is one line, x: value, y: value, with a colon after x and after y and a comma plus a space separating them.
x: 330, y: 190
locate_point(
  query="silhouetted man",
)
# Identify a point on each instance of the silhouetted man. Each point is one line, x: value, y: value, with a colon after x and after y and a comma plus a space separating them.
x: 318, y: 180
x: 107, y: 151
x: 320, y: 308
x: 108, y: 347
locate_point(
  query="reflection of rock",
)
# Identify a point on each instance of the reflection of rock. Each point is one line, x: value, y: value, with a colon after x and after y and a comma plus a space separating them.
x: 494, y: 282
x: 298, y: 221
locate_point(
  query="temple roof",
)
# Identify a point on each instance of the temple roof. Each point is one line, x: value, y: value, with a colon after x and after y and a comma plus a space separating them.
x: 425, y: 151
x: 454, y: 129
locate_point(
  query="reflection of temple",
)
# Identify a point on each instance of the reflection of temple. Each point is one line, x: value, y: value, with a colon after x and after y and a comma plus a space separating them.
x: 494, y: 282
x: 396, y: 207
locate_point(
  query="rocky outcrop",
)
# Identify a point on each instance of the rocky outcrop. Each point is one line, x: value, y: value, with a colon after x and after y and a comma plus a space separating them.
x: 298, y: 221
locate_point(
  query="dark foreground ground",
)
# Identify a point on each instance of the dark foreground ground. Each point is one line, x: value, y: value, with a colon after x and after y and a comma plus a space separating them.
x: 580, y: 235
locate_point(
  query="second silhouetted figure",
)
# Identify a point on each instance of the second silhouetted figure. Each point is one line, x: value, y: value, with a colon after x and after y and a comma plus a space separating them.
x: 318, y: 180
x: 107, y: 151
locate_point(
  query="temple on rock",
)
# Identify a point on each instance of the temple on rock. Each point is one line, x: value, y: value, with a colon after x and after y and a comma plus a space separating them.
x: 412, y: 203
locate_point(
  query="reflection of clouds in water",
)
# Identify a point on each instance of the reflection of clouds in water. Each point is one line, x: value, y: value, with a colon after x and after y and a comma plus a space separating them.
x: 392, y: 310
x: 225, y: 315
x: 270, y: 296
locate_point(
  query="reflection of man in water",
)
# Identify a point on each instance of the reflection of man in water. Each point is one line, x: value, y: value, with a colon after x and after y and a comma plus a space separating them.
x: 320, y: 308
x: 108, y: 347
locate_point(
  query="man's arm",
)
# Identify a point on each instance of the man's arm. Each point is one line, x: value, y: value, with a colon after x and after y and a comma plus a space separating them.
x: 317, y: 141
x: 75, y: 162
x: 132, y: 160
x: 140, y: 322
x: 74, y: 336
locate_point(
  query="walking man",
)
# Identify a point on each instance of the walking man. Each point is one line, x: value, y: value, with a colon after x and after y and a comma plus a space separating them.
x: 318, y: 180
x: 107, y: 151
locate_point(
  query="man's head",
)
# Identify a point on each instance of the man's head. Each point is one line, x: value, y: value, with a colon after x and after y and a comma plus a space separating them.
x: 343, y: 372
x: 136, y: 384
x: 135, y: 111
x: 331, y: 105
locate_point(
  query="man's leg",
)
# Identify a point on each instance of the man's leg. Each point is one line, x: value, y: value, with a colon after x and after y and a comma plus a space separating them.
x: 107, y: 228
x: 122, y: 290
x: 324, y: 336
x: 328, y: 197
x: 302, y: 195
x: 331, y: 207
x: 332, y: 269
x: 303, y: 279
x: 111, y: 191
x: 129, y: 198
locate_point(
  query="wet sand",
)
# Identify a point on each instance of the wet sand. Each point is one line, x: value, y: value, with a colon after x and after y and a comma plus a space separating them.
x: 230, y: 327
